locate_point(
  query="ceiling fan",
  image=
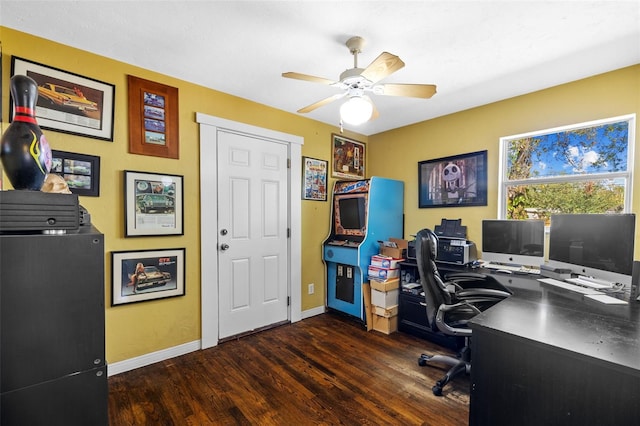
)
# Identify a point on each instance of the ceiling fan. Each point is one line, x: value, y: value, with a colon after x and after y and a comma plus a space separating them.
x: 355, y: 82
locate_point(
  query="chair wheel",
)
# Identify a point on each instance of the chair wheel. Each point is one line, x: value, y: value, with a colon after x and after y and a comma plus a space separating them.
x: 422, y: 362
x: 437, y: 390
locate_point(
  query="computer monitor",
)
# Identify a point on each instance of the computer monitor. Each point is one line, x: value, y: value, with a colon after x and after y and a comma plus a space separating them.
x: 597, y: 245
x: 515, y: 242
x: 350, y: 215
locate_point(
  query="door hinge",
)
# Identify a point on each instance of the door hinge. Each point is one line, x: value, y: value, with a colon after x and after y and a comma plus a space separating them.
x: 288, y: 163
x: 288, y: 232
x: 288, y: 300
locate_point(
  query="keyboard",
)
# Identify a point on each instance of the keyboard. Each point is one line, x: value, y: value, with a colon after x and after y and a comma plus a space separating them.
x: 598, y: 284
x: 568, y: 286
x: 511, y: 268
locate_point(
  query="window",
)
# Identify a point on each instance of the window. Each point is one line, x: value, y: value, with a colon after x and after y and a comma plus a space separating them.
x: 583, y: 168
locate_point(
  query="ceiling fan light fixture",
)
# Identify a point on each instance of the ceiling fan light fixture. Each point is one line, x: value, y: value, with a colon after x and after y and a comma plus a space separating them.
x: 356, y: 110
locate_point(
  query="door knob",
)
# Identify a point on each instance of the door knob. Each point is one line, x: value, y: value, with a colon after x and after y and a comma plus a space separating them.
x: 224, y: 247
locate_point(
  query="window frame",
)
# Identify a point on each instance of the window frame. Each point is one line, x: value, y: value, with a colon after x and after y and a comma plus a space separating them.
x: 503, y: 182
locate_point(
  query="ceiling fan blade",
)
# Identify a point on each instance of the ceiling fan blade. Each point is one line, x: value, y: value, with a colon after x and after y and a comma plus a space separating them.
x: 424, y: 91
x: 306, y: 77
x: 384, y: 65
x: 323, y: 102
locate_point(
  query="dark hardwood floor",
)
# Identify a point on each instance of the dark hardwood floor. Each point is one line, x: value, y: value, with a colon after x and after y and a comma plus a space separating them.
x: 325, y: 370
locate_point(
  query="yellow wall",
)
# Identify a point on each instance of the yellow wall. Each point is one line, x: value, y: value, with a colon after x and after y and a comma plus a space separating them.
x: 137, y: 329
x: 396, y: 153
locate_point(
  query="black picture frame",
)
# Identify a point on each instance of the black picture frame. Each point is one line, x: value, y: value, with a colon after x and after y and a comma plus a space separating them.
x: 68, y: 102
x: 154, y: 204
x: 160, y: 276
x: 455, y: 181
x: 80, y: 171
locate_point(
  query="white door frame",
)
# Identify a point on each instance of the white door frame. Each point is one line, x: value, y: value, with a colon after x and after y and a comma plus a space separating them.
x: 209, y: 127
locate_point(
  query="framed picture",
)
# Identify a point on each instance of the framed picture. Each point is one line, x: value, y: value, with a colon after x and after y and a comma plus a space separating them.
x: 68, y: 102
x: 144, y: 275
x: 456, y: 181
x: 153, y: 118
x: 348, y: 158
x: 153, y: 204
x: 314, y: 179
x: 81, y: 172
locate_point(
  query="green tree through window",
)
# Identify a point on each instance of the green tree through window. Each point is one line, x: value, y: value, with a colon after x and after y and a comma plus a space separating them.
x: 584, y: 168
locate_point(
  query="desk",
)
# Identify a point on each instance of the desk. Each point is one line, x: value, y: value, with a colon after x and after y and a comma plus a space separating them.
x: 542, y: 359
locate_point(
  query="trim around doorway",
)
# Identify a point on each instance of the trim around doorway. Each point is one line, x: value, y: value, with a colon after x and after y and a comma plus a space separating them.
x: 209, y: 127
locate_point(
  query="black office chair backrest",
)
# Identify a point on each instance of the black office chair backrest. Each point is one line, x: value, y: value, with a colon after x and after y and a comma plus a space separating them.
x: 434, y: 288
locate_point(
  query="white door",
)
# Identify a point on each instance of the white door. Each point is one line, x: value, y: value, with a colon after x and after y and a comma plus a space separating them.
x: 252, y: 233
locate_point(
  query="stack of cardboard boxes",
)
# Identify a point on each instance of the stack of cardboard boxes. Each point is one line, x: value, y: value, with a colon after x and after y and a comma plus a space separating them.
x: 384, y: 277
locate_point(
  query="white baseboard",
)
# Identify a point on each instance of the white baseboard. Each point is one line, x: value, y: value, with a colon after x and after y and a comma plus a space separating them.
x: 313, y: 312
x: 164, y: 354
x: 151, y: 358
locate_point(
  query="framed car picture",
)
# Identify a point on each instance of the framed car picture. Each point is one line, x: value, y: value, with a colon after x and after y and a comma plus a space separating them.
x: 81, y: 172
x: 68, y: 102
x: 153, y: 118
x: 153, y: 204
x: 138, y: 276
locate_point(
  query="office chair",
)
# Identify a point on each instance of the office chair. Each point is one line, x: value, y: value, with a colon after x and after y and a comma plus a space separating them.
x: 452, y: 303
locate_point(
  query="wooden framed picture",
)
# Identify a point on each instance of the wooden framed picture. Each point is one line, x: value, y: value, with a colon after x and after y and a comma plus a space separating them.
x: 348, y: 158
x: 153, y: 204
x: 139, y: 276
x: 68, y: 102
x: 314, y: 179
x: 456, y: 181
x: 81, y: 172
x: 153, y: 118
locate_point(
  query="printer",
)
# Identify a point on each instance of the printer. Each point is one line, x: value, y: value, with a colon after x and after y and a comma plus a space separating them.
x: 453, y: 246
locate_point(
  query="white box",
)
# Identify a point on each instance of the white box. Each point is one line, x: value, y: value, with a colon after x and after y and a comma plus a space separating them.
x: 386, y: 262
x: 384, y: 299
x: 382, y: 274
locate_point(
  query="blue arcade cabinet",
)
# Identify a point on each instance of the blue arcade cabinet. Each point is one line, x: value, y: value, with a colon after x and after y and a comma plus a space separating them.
x: 363, y: 213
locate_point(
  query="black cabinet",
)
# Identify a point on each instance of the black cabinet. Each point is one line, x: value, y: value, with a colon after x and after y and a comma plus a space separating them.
x: 412, y: 313
x: 52, y: 343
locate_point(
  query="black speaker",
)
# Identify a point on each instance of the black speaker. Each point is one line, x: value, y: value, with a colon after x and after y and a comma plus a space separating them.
x: 635, y: 278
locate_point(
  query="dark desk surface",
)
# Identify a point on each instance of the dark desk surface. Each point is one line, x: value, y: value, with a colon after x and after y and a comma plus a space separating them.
x: 544, y: 357
x: 602, y: 333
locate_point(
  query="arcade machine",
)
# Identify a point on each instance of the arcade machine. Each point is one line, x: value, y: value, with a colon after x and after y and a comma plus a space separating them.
x: 364, y: 212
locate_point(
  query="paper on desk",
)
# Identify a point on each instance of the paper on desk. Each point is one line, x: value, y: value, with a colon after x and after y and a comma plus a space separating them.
x: 607, y: 300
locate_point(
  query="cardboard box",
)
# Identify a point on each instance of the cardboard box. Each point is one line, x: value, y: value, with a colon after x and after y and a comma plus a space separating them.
x: 366, y: 293
x: 384, y: 299
x: 385, y: 262
x: 382, y: 274
x: 397, y: 252
x: 385, y: 285
x: 387, y: 313
x: 385, y: 325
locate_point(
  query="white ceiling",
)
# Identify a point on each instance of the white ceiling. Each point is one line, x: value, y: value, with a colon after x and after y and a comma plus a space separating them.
x: 476, y: 52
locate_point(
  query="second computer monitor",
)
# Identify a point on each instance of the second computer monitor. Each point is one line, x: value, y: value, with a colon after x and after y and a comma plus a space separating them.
x: 515, y: 242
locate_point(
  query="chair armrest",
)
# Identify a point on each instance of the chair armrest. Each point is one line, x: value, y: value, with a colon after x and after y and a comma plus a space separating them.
x: 466, y: 304
x: 469, y: 280
x: 446, y: 328
x: 465, y: 275
x: 479, y: 292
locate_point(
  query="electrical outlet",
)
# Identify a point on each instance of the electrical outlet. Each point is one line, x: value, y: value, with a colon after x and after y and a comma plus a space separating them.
x: 311, y: 288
